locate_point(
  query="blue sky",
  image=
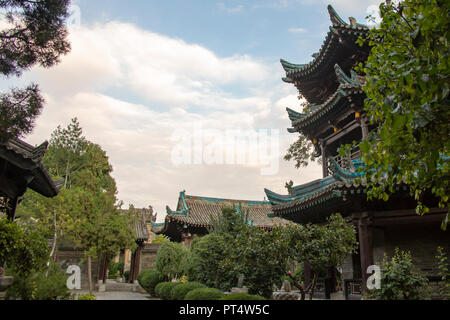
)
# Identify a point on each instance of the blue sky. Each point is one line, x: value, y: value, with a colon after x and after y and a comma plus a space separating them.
x: 142, y: 72
x: 264, y: 28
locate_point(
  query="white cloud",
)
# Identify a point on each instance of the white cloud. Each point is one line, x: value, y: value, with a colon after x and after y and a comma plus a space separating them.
x: 297, y: 30
x: 238, y: 9
x: 177, y: 83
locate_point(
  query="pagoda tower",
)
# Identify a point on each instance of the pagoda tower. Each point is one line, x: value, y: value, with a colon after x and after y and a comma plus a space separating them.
x: 335, y: 99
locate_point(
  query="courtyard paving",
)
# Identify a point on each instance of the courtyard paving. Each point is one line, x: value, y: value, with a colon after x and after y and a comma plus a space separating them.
x: 121, y: 296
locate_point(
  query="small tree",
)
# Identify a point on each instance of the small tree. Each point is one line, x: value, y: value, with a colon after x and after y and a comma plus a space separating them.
x: 444, y: 286
x: 265, y: 257
x: 206, y: 262
x: 169, y: 260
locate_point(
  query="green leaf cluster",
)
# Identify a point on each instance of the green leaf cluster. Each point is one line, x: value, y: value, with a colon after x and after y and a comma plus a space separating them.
x: 169, y: 260
x: 407, y: 89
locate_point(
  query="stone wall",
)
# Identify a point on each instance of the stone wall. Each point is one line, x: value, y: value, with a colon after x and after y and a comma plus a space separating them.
x: 69, y: 256
x: 148, y: 256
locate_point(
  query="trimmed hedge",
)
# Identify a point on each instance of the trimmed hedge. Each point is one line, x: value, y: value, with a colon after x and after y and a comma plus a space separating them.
x: 179, y: 292
x: 164, y: 289
x: 204, y: 294
x: 148, y: 279
x: 242, y: 296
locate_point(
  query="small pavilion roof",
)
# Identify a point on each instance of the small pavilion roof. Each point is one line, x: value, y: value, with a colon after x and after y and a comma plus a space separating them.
x: 140, y: 228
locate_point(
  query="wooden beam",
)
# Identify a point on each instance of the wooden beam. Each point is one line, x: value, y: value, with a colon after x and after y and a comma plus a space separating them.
x: 341, y: 133
x: 427, y: 218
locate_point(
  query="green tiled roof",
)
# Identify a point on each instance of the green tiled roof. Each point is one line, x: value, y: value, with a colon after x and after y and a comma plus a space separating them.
x: 347, y: 86
x: 197, y: 211
x: 339, y: 26
x: 319, y: 191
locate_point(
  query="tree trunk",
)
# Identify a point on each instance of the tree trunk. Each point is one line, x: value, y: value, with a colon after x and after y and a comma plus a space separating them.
x: 54, y: 239
x: 89, y: 274
x: 313, y: 286
x: 67, y: 174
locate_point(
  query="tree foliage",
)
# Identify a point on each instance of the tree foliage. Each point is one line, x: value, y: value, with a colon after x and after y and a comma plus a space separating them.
x: 35, y: 35
x: 302, y: 151
x: 206, y: 262
x: 407, y: 88
x: 86, y: 210
x: 18, y: 109
x: 23, y: 249
x: 169, y: 260
x: 265, y: 257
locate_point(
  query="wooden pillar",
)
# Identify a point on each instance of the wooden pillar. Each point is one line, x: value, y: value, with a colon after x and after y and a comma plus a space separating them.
x: 137, y: 263
x: 187, y: 239
x: 100, y: 270
x: 323, y: 147
x: 132, y: 267
x: 105, y: 270
x: 11, y: 211
x: 366, y: 247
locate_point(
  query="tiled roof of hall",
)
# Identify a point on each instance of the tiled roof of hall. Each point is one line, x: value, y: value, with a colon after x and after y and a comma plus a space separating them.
x: 339, y: 28
x: 321, y: 190
x: 27, y: 157
x: 196, y: 211
x: 347, y: 86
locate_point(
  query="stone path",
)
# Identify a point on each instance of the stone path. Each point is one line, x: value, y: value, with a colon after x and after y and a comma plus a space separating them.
x: 121, y: 296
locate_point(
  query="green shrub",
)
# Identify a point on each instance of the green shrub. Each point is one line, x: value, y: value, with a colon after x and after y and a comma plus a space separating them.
x: 242, y: 296
x: 158, y: 288
x: 86, y: 297
x: 120, y: 267
x: 164, y: 289
x: 148, y: 279
x: 204, y: 294
x: 115, y: 269
x: 49, y: 284
x: 126, y: 275
x: 400, y: 280
x: 179, y: 292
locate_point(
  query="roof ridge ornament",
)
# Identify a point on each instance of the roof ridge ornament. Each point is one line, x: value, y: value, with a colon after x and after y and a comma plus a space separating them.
x: 335, y: 18
x: 294, y: 115
x: 343, y: 78
x: 288, y: 66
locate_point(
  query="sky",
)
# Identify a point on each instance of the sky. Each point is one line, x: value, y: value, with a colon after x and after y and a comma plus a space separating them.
x: 144, y: 76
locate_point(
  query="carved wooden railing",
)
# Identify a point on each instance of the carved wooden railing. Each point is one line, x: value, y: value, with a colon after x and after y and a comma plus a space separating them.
x: 352, y: 287
x: 345, y: 162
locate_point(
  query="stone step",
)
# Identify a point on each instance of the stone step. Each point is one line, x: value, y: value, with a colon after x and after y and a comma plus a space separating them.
x: 111, y: 286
